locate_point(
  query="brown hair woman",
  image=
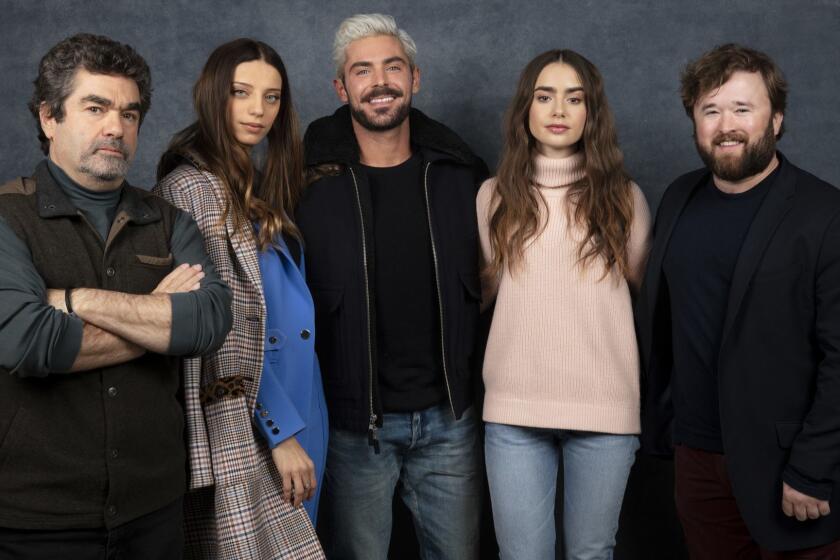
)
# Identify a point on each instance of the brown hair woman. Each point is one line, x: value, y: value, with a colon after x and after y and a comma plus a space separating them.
x: 257, y: 419
x: 564, y: 237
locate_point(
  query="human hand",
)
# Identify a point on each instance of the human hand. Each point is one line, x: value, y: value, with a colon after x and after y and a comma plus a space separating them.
x: 795, y: 503
x: 183, y: 278
x: 296, y: 470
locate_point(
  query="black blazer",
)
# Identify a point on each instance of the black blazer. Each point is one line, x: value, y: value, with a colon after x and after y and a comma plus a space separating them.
x: 779, y: 361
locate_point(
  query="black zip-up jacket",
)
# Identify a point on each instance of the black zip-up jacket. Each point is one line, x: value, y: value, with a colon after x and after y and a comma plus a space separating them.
x: 335, y: 216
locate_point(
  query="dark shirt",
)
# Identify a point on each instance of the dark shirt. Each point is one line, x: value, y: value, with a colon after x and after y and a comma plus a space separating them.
x: 42, y: 340
x: 407, y: 322
x: 98, y: 207
x: 698, y: 268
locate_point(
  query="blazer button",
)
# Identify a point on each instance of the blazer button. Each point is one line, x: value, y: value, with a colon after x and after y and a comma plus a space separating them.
x: 305, y: 334
x: 112, y: 391
x: 109, y: 272
x: 112, y: 510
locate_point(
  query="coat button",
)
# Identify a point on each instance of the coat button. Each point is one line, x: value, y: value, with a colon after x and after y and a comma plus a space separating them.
x: 272, y: 340
x: 112, y: 391
x: 275, y: 431
x: 112, y: 510
x: 305, y: 334
x: 114, y: 454
x: 264, y: 413
x: 109, y: 272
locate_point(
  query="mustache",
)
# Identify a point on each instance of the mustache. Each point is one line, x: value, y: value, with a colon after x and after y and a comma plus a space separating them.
x: 113, y: 144
x: 730, y: 137
x: 382, y: 90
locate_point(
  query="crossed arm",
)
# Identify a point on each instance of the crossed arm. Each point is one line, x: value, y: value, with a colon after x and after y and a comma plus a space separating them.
x: 120, y: 327
x: 188, y: 313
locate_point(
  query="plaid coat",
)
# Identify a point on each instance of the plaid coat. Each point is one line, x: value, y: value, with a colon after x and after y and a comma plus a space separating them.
x: 233, y: 508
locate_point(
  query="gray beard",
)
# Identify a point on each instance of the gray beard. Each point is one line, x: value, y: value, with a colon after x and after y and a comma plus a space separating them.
x: 102, y: 168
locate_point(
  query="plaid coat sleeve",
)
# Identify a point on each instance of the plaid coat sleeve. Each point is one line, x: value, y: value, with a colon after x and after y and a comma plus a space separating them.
x: 233, y: 509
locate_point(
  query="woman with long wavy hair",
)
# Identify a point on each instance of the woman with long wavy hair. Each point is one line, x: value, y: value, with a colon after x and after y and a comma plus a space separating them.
x: 256, y: 414
x: 564, y: 235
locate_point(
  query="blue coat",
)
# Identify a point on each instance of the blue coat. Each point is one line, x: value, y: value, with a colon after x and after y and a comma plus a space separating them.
x: 290, y: 400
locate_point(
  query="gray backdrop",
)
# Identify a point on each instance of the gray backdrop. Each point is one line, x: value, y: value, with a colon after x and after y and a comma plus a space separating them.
x: 470, y: 55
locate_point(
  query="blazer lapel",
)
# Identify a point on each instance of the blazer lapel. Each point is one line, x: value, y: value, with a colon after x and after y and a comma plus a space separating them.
x: 244, y: 250
x: 667, y: 219
x: 776, y: 204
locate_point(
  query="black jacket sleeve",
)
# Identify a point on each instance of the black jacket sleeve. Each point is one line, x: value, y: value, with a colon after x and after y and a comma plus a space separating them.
x: 815, y: 454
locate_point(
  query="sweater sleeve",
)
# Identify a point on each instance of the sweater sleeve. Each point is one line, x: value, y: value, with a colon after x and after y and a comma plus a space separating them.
x: 638, y: 246
x: 35, y: 338
x: 489, y: 286
x: 201, y: 319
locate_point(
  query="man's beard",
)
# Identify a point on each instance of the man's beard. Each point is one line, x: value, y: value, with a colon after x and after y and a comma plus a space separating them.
x: 393, y: 121
x: 754, y: 159
x: 102, y: 167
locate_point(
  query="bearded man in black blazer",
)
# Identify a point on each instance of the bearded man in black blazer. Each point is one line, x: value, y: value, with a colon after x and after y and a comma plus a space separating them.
x: 739, y: 327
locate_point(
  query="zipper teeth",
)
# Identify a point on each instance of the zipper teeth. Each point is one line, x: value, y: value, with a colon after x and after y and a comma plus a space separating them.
x: 437, y: 285
x: 367, y: 295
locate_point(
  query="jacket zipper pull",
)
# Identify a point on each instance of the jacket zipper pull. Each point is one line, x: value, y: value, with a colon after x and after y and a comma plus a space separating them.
x: 373, y: 440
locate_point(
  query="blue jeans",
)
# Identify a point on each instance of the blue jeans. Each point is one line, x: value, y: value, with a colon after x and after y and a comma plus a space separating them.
x: 522, y: 467
x: 437, y: 462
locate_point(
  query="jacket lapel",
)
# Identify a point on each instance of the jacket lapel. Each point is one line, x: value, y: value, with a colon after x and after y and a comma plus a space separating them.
x: 667, y: 219
x: 243, y: 248
x: 776, y: 204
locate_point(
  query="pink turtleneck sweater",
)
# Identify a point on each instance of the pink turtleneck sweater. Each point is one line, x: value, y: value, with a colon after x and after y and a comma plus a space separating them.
x: 562, y: 350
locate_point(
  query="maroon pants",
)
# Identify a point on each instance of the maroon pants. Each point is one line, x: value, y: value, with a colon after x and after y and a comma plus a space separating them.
x: 714, y: 529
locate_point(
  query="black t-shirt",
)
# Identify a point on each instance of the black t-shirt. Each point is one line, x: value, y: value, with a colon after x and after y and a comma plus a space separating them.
x: 407, y: 322
x: 698, y: 268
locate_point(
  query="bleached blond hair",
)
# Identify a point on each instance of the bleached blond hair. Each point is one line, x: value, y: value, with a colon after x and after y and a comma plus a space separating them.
x: 361, y: 26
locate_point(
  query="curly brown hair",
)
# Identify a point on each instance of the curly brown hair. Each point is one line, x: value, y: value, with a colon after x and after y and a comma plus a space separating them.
x: 98, y: 55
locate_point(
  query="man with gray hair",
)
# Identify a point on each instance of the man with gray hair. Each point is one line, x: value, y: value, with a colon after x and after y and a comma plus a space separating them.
x: 103, y: 286
x: 390, y: 226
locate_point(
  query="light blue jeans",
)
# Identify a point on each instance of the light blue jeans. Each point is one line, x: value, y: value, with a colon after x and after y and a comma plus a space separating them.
x: 436, y: 460
x: 522, y: 468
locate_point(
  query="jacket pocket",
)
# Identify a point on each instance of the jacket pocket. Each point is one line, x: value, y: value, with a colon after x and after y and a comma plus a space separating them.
x: 472, y: 285
x: 147, y: 271
x: 469, y: 302
x: 331, y: 335
x: 232, y: 445
x: 786, y: 433
x: 150, y: 260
